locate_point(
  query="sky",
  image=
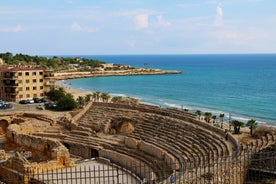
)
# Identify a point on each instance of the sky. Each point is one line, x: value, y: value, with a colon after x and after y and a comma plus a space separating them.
x: 90, y: 27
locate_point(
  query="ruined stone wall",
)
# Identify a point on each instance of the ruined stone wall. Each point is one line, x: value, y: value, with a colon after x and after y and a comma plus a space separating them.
x: 152, y: 150
x: 80, y: 150
x: 40, y: 117
x: 141, y: 169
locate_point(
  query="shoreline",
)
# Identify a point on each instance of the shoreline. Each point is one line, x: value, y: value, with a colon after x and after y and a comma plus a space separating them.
x: 132, y: 72
x: 75, y: 92
x: 79, y: 92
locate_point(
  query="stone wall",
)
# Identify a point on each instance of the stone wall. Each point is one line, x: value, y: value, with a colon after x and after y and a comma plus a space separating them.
x: 130, y: 163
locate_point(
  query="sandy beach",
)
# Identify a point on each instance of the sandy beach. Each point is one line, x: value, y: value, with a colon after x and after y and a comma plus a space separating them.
x: 75, y: 92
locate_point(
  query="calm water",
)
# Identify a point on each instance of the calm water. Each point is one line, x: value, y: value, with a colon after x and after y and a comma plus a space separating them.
x: 243, y: 85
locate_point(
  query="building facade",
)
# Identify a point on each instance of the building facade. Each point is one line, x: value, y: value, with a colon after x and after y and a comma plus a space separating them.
x: 24, y: 83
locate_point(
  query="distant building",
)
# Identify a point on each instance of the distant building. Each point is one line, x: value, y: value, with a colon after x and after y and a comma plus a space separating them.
x: 24, y: 83
x: 1, y: 61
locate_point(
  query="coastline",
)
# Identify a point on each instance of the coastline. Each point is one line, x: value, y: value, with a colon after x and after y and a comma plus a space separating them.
x: 75, y: 92
x: 137, y: 71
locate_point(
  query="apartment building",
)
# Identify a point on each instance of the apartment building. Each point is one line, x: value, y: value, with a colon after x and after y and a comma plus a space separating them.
x: 24, y: 83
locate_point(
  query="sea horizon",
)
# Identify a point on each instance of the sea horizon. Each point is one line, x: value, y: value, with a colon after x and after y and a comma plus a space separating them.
x: 242, y: 85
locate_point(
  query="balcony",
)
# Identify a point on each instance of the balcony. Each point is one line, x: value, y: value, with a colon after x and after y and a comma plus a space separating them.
x: 10, y: 77
x: 13, y: 92
x: 11, y: 84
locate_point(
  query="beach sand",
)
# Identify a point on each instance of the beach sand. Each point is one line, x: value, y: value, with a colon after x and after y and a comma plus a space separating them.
x: 75, y: 92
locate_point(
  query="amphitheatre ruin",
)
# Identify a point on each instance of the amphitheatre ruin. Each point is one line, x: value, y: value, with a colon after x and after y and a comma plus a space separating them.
x: 150, y: 143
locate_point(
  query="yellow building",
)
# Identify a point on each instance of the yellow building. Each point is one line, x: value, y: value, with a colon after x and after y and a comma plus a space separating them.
x: 24, y: 83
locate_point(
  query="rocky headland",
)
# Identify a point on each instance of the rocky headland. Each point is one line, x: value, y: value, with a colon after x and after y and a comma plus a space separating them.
x: 127, y: 72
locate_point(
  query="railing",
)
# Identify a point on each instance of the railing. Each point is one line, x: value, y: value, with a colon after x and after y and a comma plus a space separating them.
x: 12, y: 77
x: 247, y: 168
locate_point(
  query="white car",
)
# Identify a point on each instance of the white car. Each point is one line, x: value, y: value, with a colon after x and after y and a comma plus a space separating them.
x: 30, y: 101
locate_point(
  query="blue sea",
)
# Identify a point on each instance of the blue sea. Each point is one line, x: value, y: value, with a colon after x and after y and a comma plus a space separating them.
x: 241, y: 85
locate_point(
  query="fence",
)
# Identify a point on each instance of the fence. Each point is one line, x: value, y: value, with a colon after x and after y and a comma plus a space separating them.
x: 245, y: 168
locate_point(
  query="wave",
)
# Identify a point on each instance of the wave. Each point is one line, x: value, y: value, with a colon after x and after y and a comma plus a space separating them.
x: 227, y: 115
x: 118, y: 94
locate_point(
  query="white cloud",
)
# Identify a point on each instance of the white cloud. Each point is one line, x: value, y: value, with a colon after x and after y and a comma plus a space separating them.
x: 78, y: 28
x: 141, y: 21
x: 219, y: 16
x: 219, y: 11
x: 15, y: 29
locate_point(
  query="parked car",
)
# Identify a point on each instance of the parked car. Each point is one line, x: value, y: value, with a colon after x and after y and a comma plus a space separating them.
x: 5, y: 105
x: 50, y: 105
x: 30, y: 101
x: 44, y: 100
x: 37, y: 100
x: 23, y: 102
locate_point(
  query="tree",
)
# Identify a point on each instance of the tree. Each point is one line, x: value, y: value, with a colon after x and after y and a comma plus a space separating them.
x: 105, y: 97
x: 55, y: 93
x: 198, y: 113
x: 252, y: 124
x: 221, y: 116
x: 208, y: 116
x: 214, y: 118
x: 66, y: 102
x: 237, y: 125
x: 87, y: 98
x: 81, y: 101
x: 116, y: 99
x: 96, y: 96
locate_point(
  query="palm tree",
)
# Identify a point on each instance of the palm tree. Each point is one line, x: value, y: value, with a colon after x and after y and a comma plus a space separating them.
x: 105, y: 97
x: 208, y: 116
x: 87, y: 98
x: 252, y: 126
x: 81, y: 101
x: 237, y: 126
x: 96, y: 96
x: 198, y: 113
x: 214, y: 119
x: 221, y: 116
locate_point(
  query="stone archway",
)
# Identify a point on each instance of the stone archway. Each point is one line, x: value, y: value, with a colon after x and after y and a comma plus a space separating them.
x: 94, y: 153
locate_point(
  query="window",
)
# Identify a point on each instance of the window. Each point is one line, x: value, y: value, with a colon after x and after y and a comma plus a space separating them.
x: 34, y: 88
x: 19, y: 81
x: 20, y: 88
x: 27, y: 88
x: 34, y: 80
x: 40, y: 73
x: 35, y: 95
x: 27, y: 73
x: 28, y: 95
x: 27, y: 81
x: 41, y: 87
x: 41, y: 95
x: 20, y: 74
x: 20, y: 96
x: 34, y: 73
x: 40, y: 80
